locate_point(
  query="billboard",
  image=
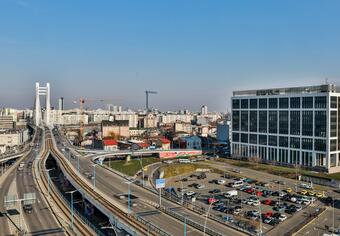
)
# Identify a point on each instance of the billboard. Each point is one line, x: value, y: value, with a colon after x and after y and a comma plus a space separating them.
x: 175, y: 154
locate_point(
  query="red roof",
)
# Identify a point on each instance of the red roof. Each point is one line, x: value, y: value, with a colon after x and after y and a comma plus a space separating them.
x: 143, y: 145
x: 164, y: 140
x: 110, y: 142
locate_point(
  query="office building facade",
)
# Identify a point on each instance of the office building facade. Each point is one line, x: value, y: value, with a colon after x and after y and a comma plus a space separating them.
x: 290, y: 126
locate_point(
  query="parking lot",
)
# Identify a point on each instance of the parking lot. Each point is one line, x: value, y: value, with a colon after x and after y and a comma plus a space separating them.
x: 265, y: 206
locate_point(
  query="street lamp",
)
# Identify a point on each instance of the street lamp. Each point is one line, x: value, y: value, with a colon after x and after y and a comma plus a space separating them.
x: 78, y: 164
x: 141, y: 164
x: 72, y: 211
x: 129, y: 196
x: 49, y: 180
x: 94, y: 175
x: 206, y: 218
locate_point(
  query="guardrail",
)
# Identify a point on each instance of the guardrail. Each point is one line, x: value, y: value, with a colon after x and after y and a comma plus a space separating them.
x: 151, y: 226
x: 84, y: 219
x: 190, y: 222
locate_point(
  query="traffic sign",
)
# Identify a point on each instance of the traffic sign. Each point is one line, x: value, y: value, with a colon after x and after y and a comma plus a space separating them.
x: 160, y: 183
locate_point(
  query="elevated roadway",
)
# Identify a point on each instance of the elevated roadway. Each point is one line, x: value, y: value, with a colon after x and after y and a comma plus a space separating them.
x: 112, y: 184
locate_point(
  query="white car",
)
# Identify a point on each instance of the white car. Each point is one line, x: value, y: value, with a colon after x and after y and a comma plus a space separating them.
x: 190, y: 193
x: 293, y: 199
x: 256, y: 203
x: 282, y: 217
x: 304, y: 198
x: 220, y: 181
x: 200, y: 186
x: 307, y: 202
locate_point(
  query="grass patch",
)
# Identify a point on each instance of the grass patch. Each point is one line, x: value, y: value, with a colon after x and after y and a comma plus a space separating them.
x: 132, y: 167
x: 183, y: 168
x: 288, y: 172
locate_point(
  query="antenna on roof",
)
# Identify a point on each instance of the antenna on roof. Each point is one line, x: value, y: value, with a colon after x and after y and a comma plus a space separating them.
x: 326, y: 80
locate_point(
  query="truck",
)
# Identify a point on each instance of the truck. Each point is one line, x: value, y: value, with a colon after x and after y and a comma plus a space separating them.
x: 230, y: 193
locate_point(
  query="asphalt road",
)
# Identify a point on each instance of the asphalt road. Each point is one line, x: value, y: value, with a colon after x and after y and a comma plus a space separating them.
x: 112, y: 184
x: 40, y: 221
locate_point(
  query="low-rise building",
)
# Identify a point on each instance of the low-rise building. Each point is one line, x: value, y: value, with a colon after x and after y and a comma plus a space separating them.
x: 182, y: 127
x: 191, y: 142
x: 118, y: 129
x: 110, y: 145
x: 12, y: 138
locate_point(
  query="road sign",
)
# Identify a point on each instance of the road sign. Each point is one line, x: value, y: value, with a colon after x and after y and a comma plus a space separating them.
x: 10, y: 201
x: 160, y: 183
x: 29, y: 198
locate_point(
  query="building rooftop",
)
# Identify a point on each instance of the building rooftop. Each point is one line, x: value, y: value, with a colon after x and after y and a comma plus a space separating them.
x: 325, y: 88
x: 115, y: 123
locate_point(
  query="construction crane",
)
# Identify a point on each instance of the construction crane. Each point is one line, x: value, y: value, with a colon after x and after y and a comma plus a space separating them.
x: 147, y: 92
x: 82, y: 101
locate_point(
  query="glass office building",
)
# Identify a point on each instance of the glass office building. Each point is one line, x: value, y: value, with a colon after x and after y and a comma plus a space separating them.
x: 290, y: 126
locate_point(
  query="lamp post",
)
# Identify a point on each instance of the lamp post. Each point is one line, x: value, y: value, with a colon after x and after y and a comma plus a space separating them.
x: 94, y: 175
x: 206, y: 218
x: 72, y: 211
x: 129, y: 196
x: 78, y: 164
x: 49, y: 180
x: 141, y: 164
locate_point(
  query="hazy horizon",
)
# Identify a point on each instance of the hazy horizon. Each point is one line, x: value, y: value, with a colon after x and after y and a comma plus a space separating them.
x: 191, y: 52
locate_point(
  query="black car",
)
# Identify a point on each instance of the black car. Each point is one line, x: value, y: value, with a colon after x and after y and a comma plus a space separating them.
x: 274, y: 221
x: 28, y: 209
x: 215, y: 191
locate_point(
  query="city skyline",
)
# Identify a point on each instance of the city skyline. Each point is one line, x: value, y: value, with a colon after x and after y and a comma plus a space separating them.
x: 197, y: 51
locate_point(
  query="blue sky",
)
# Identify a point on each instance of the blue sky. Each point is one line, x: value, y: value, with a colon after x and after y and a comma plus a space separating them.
x: 192, y: 52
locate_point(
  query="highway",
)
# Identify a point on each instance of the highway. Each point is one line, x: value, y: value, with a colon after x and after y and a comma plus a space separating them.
x: 41, y: 221
x: 112, y: 184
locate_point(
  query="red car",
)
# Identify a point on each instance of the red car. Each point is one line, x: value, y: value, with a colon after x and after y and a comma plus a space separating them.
x: 212, y: 200
x: 259, y: 193
x: 250, y: 190
x: 267, y: 202
x: 268, y: 214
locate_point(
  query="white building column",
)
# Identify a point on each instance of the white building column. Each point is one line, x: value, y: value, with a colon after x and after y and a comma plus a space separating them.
x: 37, y: 108
x: 48, y: 105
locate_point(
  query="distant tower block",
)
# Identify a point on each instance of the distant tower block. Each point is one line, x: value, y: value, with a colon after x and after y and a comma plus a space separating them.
x: 61, y: 103
x: 45, y: 91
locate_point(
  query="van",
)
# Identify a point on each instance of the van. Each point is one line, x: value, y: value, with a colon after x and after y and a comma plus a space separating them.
x: 237, y: 184
x: 231, y: 193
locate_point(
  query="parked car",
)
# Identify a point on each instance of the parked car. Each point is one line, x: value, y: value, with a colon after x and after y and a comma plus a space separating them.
x: 190, y: 193
x: 282, y: 217
x: 215, y: 191
x: 200, y: 186
x: 212, y: 200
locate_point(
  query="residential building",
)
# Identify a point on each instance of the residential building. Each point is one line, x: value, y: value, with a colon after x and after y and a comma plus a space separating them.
x: 190, y: 142
x: 292, y: 126
x: 118, y: 129
x: 223, y: 131
x: 7, y: 122
x: 180, y: 126
x: 12, y: 138
x: 204, y: 110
